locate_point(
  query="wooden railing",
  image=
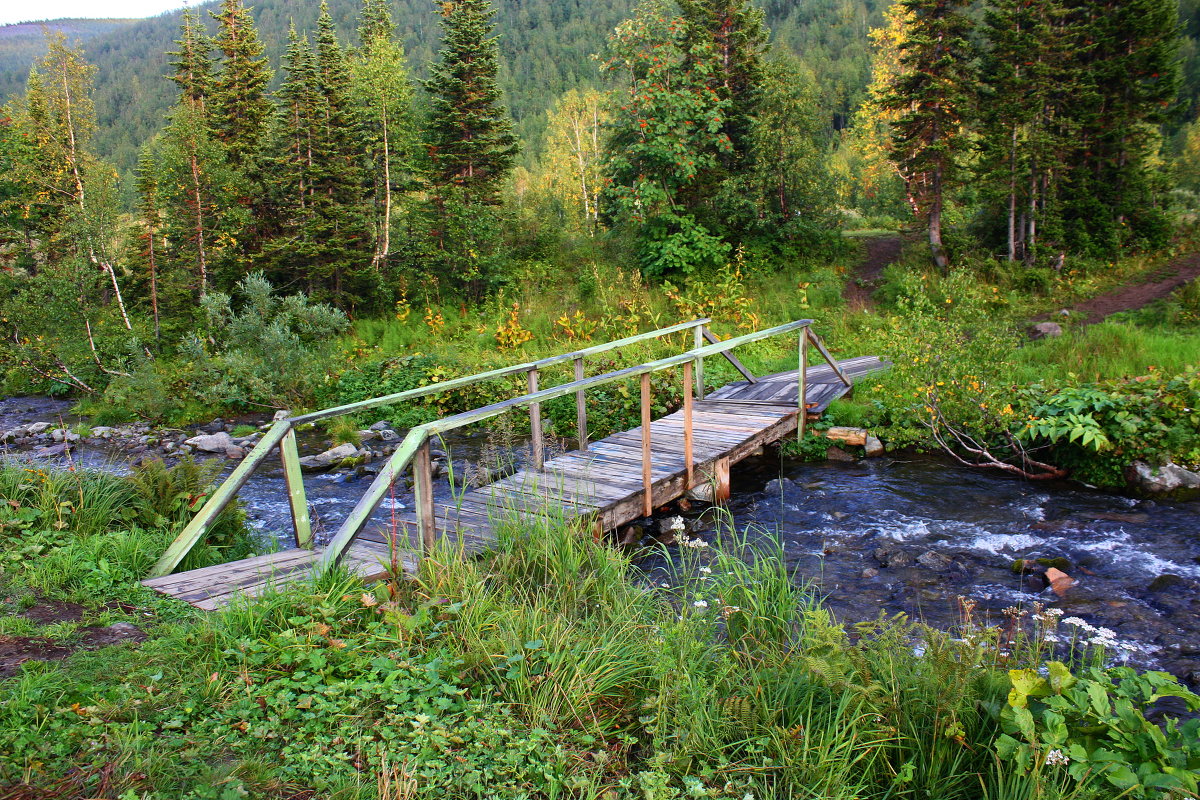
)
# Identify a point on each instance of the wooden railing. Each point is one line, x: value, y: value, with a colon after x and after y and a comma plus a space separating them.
x: 283, y: 435
x: 414, y: 450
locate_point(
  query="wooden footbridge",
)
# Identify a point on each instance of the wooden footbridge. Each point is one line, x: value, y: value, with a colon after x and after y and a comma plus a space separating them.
x: 606, y: 483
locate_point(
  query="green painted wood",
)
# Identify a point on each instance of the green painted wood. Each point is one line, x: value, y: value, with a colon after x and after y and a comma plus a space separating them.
x: 496, y: 409
x: 503, y: 372
x: 711, y: 338
x: 697, y: 343
x: 816, y: 340
x: 802, y: 379
x: 423, y: 495
x: 301, y: 523
x: 217, y: 503
x: 395, y: 466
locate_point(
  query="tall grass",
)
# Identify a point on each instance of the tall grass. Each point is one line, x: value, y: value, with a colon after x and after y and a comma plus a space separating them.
x: 1107, y: 350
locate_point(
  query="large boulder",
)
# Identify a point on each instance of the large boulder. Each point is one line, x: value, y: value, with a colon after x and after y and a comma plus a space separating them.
x: 333, y: 457
x: 1167, y: 479
x: 211, y: 443
x: 1046, y: 330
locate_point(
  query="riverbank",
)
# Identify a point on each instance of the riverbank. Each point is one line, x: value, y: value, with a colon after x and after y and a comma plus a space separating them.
x: 550, y: 668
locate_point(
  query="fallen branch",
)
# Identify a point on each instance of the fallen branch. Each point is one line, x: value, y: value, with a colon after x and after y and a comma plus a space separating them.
x: 1030, y: 468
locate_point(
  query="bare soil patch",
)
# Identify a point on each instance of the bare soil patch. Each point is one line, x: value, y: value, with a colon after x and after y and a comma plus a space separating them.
x: 1135, y: 296
x: 864, y: 280
x: 48, y: 612
x: 16, y: 650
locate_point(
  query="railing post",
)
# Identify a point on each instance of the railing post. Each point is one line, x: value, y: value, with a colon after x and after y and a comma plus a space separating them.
x: 687, y: 422
x: 535, y: 424
x: 647, y: 499
x: 802, y: 380
x: 423, y: 494
x: 580, y: 408
x: 301, y: 523
x: 699, y: 330
x: 217, y: 502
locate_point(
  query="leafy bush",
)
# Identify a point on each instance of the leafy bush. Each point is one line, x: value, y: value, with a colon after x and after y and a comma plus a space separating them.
x: 257, y: 349
x: 1094, y: 725
x: 1097, y: 429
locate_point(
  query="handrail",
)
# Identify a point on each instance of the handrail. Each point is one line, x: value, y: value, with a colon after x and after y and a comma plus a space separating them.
x: 277, y: 436
x: 418, y: 437
x: 503, y: 372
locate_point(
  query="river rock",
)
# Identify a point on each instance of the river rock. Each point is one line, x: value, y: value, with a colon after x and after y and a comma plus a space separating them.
x: 934, y: 561
x: 102, y: 432
x: 773, y: 487
x: 49, y: 451
x: 235, y: 453
x: 1162, y: 480
x: 1059, y: 581
x: 37, y: 428
x: 63, y: 435
x: 874, y: 446
x: 1046, y: 330
x: 1165, y: 583
x: 382, y: 425
x: 12, y: 434
x: 334, y: 456
x: 281, y: 414
x: 388, y: 435
x: 892, y: 558
x: 854, y: 436
x: 211, y: 443
x: 838, y: 454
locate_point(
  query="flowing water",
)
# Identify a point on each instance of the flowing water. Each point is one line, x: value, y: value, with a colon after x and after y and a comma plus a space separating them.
x: 888, y: 535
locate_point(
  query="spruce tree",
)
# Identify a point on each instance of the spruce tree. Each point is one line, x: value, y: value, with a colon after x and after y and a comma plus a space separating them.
x: 1127, y: 56
x: 241, y: 110
x: 319, y: 194
x: 470, y: 136
x: 1025, y: 78
x: 932, y: 93
x: 192, y: 62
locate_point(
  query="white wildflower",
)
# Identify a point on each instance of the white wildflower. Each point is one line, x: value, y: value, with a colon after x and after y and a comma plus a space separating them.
x: 1105, y: 633
x: 748, y: 796
x: 1053, y: 612
x: 706, y: 570
x: 1057, y: 758
x: 1078, y: 623
x: 677, y: 524
x: 701, y: 604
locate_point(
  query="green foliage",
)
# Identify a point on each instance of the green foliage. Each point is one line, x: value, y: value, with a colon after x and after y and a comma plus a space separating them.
x: 261, y: 347
x: 1097, y: 429
x: 469, y: 136
x: 73, y: 529
x: 1093, y: 725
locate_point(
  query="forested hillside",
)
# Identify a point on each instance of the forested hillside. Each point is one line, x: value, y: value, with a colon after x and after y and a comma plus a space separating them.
x: 25, y: 42
x: 546, y: 45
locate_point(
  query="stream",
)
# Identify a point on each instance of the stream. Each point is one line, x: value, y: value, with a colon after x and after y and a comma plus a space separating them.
x: 904, y: 534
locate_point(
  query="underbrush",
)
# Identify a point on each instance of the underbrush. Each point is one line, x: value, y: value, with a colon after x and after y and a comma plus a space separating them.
x: 75, y: 530
x: 552, y: 668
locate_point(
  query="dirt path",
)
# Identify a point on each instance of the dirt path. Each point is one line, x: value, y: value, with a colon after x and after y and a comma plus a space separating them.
x: 881, y: 251
x: 1128, y: 298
